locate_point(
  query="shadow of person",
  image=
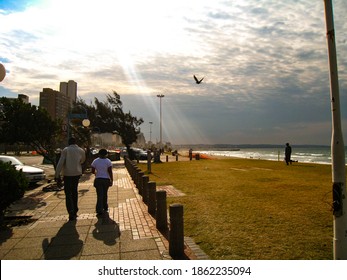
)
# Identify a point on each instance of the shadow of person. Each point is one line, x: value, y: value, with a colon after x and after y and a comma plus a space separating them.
x: 106, y: 230
x: 64, y: 245
x: 5, y: 233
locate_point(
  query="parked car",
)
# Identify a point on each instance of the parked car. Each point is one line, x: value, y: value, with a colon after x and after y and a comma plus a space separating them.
x: 113, y: 155
x: 140, y: 154
x: 123, y: 152
x: 33, y: 174
x: 137, y: 153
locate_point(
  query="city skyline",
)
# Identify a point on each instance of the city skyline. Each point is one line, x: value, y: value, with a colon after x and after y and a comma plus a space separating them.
x: 264, y: 63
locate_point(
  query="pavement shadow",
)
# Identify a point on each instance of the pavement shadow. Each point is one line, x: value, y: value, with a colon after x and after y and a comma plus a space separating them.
x: 65, y: 245
x: 106, y: 230
x: 30, y: 202
x: 5, y: 234
x: 85, y: 177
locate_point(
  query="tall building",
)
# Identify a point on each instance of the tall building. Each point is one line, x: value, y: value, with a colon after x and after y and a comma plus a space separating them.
x: 69, y: 89
x: 56, y: 103
x: 24, y: 98
x: 72, y: 90
x: 63, y: 88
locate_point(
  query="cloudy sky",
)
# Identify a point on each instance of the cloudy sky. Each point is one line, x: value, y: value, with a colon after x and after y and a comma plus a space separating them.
x: 264, y: 63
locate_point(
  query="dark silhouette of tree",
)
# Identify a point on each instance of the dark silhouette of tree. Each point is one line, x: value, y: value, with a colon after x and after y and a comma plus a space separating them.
x: 108, y: 116
x: 22, y: 123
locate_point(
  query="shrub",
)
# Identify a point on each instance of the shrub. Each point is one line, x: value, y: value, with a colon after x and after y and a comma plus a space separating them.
x: 13, y: 184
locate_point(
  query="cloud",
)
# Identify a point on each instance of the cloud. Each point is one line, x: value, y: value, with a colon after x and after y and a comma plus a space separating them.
x: 265, y: 63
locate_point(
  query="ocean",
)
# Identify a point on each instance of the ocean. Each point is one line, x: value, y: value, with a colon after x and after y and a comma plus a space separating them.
x: 300, y: 153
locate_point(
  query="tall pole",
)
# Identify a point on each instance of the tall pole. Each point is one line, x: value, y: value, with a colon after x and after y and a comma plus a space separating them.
x: 161, y: 125
x: 150, y: 132
x: 337, y: 145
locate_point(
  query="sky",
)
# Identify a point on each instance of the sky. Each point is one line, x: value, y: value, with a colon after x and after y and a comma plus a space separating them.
x: 264, y: 63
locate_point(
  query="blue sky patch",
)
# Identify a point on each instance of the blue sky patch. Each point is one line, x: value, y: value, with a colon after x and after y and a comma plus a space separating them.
x: 14, y: 5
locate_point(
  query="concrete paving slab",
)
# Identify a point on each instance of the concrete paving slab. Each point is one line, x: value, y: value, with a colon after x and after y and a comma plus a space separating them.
x: 127, y: 232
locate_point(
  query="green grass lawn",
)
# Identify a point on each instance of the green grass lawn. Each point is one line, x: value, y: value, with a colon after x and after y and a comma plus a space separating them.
x: 253, y: 209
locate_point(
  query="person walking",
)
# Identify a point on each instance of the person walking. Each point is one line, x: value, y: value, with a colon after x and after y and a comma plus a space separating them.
x: 288, y: 153
x: 102, y: 168
x: 70, y: 164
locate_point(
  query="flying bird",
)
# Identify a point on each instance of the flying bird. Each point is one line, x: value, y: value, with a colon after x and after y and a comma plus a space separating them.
x: 197, y: 80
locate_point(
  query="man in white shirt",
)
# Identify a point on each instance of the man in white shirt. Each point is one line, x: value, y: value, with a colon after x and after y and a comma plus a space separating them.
x: 70, y: 164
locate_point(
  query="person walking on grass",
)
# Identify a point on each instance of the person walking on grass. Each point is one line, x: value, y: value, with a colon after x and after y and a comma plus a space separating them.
x: 288, y: 154
x: 70, y: 164
x: 102, y: 168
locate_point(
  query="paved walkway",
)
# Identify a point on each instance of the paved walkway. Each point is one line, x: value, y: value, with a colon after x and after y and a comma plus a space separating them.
x: 128, y: 232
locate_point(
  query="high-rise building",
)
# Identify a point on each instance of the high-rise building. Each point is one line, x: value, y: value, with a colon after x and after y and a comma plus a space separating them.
x: 56, y: 103
x: 63, y: 88
x: 69, y: 89
x: 72, y: 90
x: 24, y: 98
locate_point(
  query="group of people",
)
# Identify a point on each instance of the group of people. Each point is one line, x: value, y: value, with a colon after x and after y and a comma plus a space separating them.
x: 70, y: 165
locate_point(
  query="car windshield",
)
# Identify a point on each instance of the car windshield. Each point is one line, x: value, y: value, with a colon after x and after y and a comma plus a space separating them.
x: 12, y: 160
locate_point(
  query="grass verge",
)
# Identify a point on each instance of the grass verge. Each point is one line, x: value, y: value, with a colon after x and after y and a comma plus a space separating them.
x: 253, y: 209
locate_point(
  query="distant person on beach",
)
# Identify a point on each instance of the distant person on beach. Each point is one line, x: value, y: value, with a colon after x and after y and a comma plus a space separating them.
x: 190, y: 153
x: 288, y: 154
x: 70, y: 164
x: 102, y: 168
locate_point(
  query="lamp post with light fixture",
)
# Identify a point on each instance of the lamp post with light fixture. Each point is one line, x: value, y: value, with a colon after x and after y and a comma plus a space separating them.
x: 161, y: 125
x: 83, y: 117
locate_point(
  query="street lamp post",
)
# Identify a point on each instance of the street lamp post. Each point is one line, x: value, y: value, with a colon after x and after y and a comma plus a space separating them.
x: 337, y: 145
x: 161, y: 138
x: 83, y: 117
x: 150, y: 132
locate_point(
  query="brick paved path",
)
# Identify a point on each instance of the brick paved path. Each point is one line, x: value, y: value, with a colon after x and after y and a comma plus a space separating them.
x: 128, y: 232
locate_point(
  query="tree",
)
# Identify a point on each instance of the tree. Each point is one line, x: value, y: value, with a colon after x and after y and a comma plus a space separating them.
x: 108, y: 116
x: 13, y: 184
x: 23, y: 123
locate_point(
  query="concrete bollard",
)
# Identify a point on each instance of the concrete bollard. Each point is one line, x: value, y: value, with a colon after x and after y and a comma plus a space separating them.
x: 161, y: 214
x: 152, y: 204
x: 149, y: 162
x: 139, y: 181
x: 136, y: 176
x: 133, y: 171
x: 145, y: 180
x: 176, y: 235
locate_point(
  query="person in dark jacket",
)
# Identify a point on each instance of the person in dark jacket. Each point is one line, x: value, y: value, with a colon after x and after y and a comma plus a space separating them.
x: 288, y: 154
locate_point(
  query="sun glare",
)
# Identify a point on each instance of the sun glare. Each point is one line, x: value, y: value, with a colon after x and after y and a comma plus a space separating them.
x: 127, y: 32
